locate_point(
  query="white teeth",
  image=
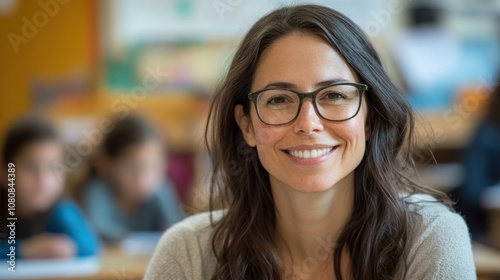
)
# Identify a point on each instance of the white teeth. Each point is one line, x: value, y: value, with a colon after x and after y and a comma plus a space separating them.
x: 310, y: 154
x: 314, y: 153
x: 307, y: 154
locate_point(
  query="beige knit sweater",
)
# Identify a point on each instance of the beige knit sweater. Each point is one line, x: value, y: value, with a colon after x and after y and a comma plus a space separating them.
x: 442, y: 250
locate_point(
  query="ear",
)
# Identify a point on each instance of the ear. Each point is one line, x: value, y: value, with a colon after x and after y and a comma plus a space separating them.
x: 245, y: 125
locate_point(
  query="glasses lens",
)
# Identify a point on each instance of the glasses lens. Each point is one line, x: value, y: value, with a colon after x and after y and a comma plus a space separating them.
x: 335, y: 103
x: 277, y: 106
x: 338, y: 102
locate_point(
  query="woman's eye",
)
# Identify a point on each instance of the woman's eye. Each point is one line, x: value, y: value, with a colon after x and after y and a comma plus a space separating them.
x: 277, y: 100
x: 334, y: 96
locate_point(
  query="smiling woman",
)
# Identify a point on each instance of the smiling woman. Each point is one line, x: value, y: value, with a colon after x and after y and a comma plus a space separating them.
x: 322, y: 189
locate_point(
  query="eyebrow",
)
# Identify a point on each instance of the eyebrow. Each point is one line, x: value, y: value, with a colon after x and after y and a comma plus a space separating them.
x: 287, y: 85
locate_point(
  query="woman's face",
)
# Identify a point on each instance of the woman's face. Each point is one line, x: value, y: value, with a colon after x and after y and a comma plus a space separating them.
x: 37, y: 183
x: 305, y: 60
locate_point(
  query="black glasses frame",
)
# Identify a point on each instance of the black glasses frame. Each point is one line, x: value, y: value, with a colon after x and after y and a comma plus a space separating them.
x: 253, y: 96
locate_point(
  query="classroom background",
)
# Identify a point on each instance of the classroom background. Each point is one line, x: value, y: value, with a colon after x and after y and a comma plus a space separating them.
x: 81, y: 63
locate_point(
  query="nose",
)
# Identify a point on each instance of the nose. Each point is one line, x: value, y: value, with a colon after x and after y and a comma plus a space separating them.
x: 308, y: 121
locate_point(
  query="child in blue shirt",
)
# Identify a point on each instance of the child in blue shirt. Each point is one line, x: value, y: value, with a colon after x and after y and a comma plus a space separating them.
x: 47, y: 225
x: 130, y: 192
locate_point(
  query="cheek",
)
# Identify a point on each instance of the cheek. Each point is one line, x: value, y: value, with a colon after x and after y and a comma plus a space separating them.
x: 126, y: 182
x: 55, y: 183
x: 25, y: 184
x: 272, y: 159
x: 49, y: 184
x: 353, y: 135
x: 266, y: 138
x: 352, y: 131
x: 265, y: 135
x: 149, y: 181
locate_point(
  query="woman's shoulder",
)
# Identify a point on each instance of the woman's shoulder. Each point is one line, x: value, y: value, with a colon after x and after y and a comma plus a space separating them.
x: 432, y: 216
x: 441, y: 241
x: 185, y: 249
x: 427, y: 207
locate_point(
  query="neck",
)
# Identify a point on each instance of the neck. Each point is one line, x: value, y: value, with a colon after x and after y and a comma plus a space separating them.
x: 309, y: 224
x: 23, y: 210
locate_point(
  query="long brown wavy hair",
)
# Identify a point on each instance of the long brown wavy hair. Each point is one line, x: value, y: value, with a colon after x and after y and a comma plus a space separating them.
x: 379, y: 231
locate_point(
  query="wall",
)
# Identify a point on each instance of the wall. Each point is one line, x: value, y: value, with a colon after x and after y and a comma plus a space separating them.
x: 64, y: 43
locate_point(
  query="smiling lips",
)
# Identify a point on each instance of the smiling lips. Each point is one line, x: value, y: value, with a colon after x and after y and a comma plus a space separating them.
x: 309, y: 154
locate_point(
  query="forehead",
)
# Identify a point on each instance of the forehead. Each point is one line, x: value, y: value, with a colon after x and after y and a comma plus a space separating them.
x: 302, y: 59
x: 148, y: 148
x: 40, y: 150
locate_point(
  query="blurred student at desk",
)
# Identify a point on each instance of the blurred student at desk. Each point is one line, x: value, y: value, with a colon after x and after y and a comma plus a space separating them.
x: 47, y: 226
x: 130, y: 193
x: 482, y: 161
x: 427, y: 55
x: 436, y: 62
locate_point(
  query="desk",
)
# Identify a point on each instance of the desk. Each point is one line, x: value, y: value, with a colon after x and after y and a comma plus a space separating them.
x: 490, y: 201
x: 116, y: 265
x: 487, y: 261
x: 453, y: 127
x: 494, y: 226
x: 434, y: 131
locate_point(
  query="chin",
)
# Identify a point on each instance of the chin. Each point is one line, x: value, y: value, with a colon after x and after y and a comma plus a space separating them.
x: 315, y: 185
x: 319, y: 182
x: 144, y: 196
x: 42, y: 207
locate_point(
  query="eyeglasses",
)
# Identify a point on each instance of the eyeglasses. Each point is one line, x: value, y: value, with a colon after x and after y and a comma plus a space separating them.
x: 336, y: 102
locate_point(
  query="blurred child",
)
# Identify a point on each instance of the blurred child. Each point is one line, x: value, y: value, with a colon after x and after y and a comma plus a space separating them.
x: 131, y: 193
x: 47, y: 225
x: 481, y: 159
